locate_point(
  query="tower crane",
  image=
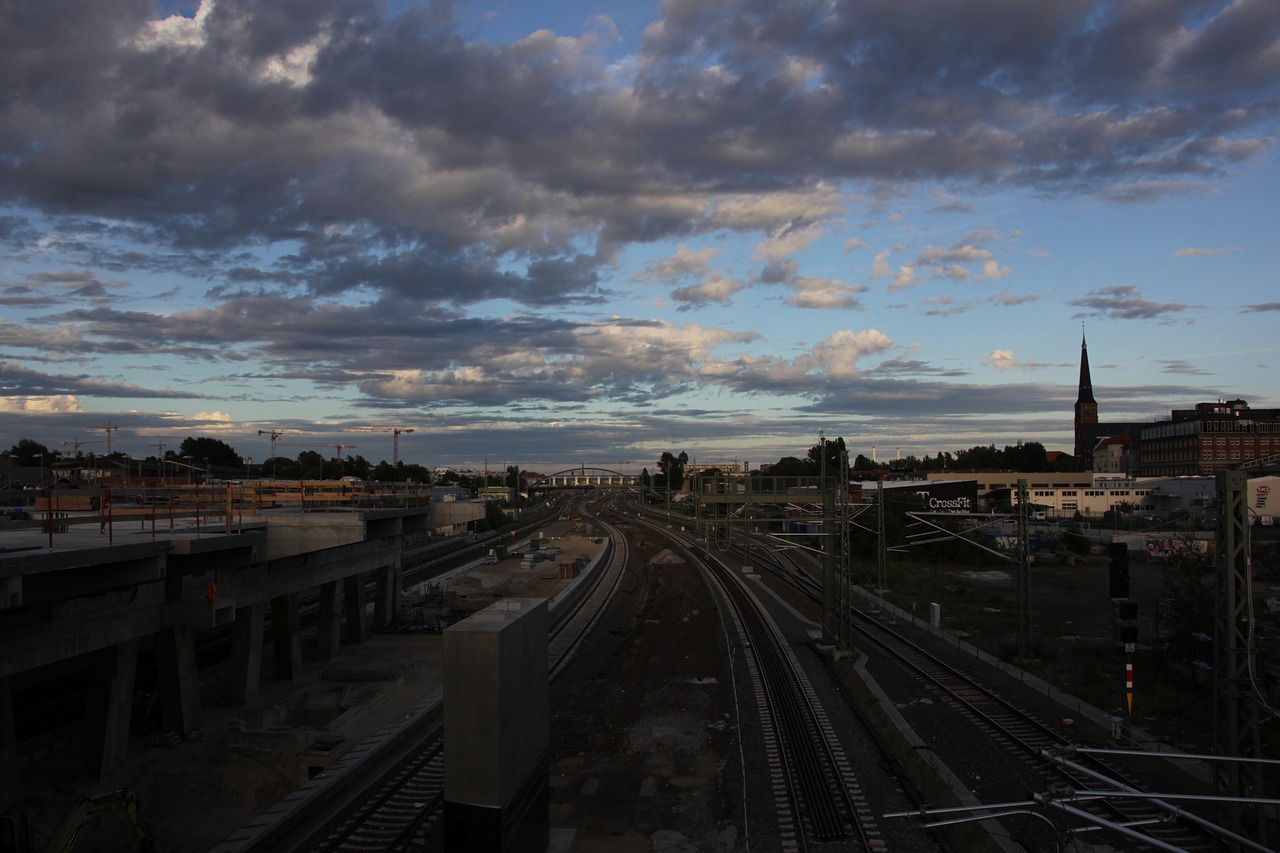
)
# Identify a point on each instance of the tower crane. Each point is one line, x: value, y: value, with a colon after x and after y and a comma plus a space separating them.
x: 110, y: 429
x: 275, y: 434
x: 77, y: 443
x: 395, y: 439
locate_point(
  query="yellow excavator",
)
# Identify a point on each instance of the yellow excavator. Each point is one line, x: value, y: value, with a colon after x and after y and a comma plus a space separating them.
x: 15, y: 833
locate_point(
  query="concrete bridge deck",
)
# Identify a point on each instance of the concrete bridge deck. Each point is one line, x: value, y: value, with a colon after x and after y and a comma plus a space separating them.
x: 86, y: 590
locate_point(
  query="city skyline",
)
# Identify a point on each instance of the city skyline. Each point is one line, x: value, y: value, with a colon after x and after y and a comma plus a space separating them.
x: 577, y: 232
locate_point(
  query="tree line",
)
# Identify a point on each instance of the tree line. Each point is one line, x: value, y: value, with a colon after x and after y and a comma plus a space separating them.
x: 214, y: 458
x: 1030, y: 457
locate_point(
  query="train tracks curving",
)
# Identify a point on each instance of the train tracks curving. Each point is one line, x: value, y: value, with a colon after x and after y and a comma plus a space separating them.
x: 818, y: 798
x: 399, y: 810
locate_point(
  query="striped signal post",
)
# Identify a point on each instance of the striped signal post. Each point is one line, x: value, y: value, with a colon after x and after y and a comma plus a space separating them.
x: 1128, y: 686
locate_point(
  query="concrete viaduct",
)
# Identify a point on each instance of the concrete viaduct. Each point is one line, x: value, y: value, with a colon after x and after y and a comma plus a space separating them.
x: 86, y: 597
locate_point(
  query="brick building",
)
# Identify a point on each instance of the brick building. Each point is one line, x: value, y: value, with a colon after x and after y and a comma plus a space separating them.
x: 1200, y: 441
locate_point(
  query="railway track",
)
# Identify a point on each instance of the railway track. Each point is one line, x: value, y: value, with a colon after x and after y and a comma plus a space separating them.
x: 399, y: 811
x: 1035, y: 753
x: 817, y: 795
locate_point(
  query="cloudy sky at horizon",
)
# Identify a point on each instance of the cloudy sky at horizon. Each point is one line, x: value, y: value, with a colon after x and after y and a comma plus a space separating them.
x: 581, y: 232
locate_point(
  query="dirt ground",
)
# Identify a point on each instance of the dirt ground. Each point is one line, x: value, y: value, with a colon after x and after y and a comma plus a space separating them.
x: 641, y: 723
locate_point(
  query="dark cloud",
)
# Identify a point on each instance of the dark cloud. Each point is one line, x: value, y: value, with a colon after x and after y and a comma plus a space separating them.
x: 513, y: 171
x: 1126, y: 303
x: 345, y: 187
x: 1182, y: 366
x: 18, y: 381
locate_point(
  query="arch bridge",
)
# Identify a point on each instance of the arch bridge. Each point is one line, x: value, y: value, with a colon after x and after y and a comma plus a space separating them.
x: 585, y: 477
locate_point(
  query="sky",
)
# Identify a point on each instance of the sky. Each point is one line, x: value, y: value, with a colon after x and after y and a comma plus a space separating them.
x: 584, y: 233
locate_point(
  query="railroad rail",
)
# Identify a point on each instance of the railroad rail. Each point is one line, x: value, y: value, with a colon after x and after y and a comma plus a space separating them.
x: 400, y: 810
x: 1037, y: 749
x: 817, y: 793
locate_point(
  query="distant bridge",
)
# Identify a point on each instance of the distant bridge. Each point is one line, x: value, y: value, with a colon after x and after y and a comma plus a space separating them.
x: 585, y: 477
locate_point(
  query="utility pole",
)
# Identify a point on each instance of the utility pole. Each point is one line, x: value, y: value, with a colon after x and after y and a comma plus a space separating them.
x: 1024, y: 575
x: 159, y: 446
x: 882, y: 560
x: 829, y: 538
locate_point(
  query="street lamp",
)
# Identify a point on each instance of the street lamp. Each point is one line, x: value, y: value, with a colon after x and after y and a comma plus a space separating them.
x: 189, y: 459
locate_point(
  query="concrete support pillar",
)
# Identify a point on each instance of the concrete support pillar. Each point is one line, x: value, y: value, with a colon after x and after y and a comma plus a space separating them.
x: 246, y: 654
x: 286, y: 636
x: 355, y: 603
x: 497, y: 723
x: 386, y: 607
x: 8, y: 745
x: 329, y: 622
x: 108, y: 709
x: 179, y: 688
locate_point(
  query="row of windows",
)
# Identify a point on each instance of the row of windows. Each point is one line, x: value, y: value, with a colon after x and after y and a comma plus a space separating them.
x: 1249, y: 440
x: 1240, y: 426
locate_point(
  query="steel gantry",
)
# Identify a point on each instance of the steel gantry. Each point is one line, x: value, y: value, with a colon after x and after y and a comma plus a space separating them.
x: 1237, y: 700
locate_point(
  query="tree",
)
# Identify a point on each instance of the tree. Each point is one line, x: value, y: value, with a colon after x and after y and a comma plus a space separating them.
x: 834, y: 451
x: 209, y: 452
x: 791, y: 466
x: 31, y: 453
x: 672, y: 470
x: 283, y: 468
x: 494, y: 517
x: 862, y: 463
x: 310, y: 465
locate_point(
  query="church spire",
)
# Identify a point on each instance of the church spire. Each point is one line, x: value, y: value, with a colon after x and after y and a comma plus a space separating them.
x: 1086, y: 413
x: 1085, y: 394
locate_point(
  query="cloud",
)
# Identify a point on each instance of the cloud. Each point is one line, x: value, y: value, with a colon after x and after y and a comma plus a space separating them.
x: 904, y: 278
x: 1002, y: 359
x: 62, y: 404
x: 944, y: 306
x: 685, y: 263
x: 1262, y: 306
x: 23, y: 382
x: 838, y: 355
x: 1182, y: 366
x: 302, y: 180
x: 824, y: 293
x: 716, y: 290
x: 1009, y: 299
x: 1192, y: 251
x: 1126, y: 303
x: 880, y: 265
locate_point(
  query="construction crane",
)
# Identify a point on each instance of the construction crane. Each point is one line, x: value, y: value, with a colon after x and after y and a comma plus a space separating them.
x: 77, y: 443
x: 110, y: 429
x: 275, y: 434
x: 395, y: 439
